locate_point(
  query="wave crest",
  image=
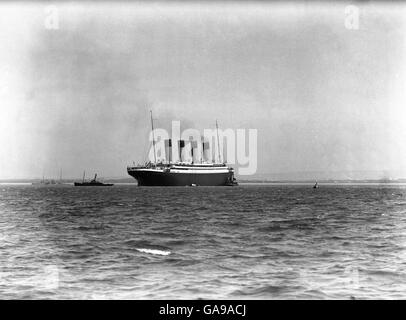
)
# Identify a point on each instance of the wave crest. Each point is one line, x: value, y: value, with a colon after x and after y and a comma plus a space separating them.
x: 154, y: 251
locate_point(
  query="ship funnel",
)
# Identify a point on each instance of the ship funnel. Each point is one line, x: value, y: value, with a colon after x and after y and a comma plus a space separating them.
x: 168, y: 150
x: 193, y: 150
x: 205, y: 150
x: 181, y: 144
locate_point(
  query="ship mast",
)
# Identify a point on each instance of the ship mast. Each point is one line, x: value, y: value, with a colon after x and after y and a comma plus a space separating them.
x: 153, y: 136
x: 218, y: 141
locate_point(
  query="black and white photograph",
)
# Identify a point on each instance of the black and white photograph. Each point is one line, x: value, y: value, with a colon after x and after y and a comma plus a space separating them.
x: 202, y: 150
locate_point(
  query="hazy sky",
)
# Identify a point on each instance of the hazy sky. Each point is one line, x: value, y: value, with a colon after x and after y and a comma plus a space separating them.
x: 323, y: 97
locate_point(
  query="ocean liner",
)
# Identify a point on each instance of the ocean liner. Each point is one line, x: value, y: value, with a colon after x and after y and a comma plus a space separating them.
x: 181, y: 173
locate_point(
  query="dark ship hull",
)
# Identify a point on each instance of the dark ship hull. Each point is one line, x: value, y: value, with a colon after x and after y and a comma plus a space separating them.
x: 90, y: 184
x: 183, y: 176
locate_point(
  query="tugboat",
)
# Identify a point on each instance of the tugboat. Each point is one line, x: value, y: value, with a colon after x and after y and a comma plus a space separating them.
x: 92, y: 183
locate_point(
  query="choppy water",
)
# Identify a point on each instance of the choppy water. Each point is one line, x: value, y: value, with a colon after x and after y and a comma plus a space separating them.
x: 249, y: 242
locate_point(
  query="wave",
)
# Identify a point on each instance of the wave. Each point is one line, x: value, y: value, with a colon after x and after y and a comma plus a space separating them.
x: 154, y: 251
x: 264, y: 291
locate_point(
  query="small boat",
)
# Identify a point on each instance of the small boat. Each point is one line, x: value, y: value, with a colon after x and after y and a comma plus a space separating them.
x: 49, y: 181
x: 92, y: 183
x: 316, y: 186
x: 44, y: 182
x: 232, y: 182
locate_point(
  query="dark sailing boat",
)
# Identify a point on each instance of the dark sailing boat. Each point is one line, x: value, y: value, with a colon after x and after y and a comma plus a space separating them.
x: 91, y: 183
x: 182, y: 173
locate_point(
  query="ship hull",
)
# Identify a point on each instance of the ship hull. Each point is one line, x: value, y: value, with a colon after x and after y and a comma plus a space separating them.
x: 86, y: 184
x: 159, y: 178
